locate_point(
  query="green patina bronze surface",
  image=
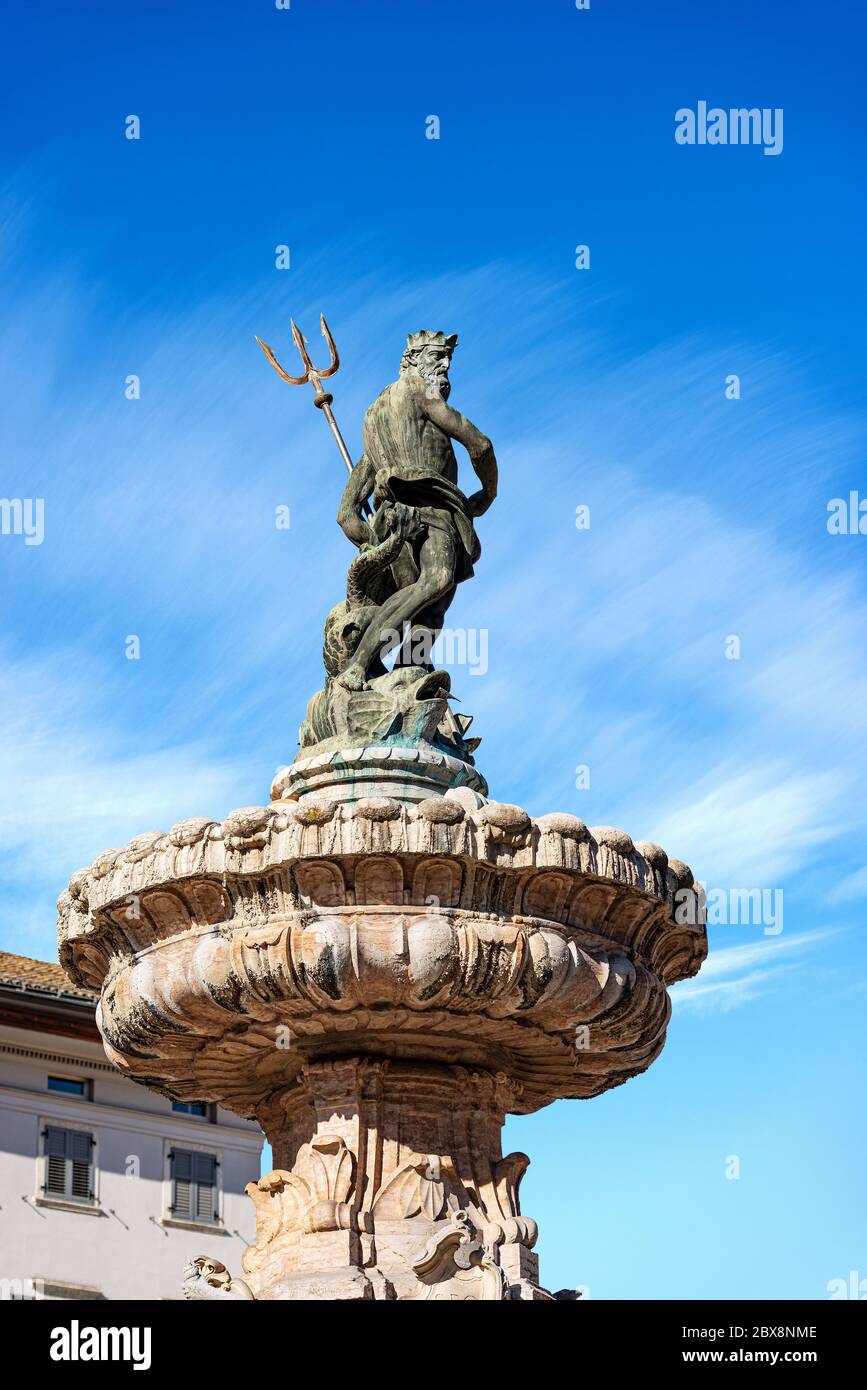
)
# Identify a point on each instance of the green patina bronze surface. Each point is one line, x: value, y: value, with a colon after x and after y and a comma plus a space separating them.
x: 419, y: 543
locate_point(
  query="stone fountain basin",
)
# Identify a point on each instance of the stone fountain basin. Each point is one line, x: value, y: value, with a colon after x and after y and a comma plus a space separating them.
x: 230, y: 954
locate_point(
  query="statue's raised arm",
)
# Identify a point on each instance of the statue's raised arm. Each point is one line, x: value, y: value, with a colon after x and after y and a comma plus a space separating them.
x: 477, y: 445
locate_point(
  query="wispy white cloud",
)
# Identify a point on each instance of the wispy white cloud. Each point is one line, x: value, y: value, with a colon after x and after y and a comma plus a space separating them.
x: 751, y: 828
x: 72, y: 782
x: 736, y: 975
x: 850, y: 888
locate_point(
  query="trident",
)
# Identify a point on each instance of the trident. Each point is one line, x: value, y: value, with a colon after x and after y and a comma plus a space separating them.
x: 315, y: 375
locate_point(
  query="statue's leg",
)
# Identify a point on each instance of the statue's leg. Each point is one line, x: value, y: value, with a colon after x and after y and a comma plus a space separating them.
x: 436, y: 561
x: 417, y: 645
x: 405, y: 572
x: 405, y: 569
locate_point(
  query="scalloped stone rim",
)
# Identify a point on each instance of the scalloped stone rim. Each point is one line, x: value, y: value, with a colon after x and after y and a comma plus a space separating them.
x: 251, y: 826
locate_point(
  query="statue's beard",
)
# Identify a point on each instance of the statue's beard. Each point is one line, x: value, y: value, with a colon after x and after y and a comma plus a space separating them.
x: 437, y: 380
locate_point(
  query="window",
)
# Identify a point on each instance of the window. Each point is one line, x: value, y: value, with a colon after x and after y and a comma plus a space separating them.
x: 69, y: 1086
x: 195, y: 1107
x: 194, y: 1186
x: 68, y: 1163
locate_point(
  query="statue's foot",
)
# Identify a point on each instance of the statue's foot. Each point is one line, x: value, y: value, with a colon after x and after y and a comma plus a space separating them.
x: 352, y: 679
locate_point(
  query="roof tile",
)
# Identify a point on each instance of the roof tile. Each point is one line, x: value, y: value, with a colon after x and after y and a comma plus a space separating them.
x: 45, y: 975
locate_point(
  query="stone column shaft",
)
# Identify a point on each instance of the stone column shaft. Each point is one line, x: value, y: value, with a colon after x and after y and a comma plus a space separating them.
x: 374, y: 1158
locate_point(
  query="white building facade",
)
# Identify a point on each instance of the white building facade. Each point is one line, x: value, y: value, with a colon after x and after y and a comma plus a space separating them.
x: 107, y: 1189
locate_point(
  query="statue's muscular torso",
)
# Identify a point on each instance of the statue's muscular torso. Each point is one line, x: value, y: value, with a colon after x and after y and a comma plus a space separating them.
x: 408, y: 433
x: 400, y: 437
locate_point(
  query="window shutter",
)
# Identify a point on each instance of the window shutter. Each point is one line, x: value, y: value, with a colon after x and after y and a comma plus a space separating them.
x: 55, y: 1141
x: 79, y: 1158
x: 205, y: 1169
x: 194, y: 1185
x: 55, y: 1160
x: 182, y: 1183
x: 68, y: 1162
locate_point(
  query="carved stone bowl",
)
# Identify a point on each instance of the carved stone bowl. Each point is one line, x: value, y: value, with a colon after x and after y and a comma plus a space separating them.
x: 232, y: 956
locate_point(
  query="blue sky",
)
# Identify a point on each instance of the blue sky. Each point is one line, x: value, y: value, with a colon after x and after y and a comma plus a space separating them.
x: 602, y: 387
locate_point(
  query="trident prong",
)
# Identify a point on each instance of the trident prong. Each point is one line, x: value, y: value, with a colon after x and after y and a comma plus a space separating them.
x: 301, y: 344
x: 293, y: 380
x: 315, y: 375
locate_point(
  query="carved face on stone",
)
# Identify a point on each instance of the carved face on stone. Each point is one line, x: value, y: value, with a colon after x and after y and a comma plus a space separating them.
x: 429, y: 356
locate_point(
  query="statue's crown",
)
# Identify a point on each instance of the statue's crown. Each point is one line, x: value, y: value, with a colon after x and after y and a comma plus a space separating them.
x: 415, y: 341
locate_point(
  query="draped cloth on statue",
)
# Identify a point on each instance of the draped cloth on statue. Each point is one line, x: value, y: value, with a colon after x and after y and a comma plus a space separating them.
x: 441, y: 506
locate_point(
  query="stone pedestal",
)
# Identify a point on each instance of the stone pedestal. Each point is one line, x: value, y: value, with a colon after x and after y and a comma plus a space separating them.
x: 374, y: 1157
x: 378, y: 982
x: 403, y: 772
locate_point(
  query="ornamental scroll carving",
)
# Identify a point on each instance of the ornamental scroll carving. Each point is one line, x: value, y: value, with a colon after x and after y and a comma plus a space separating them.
x: 313, y: 1197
